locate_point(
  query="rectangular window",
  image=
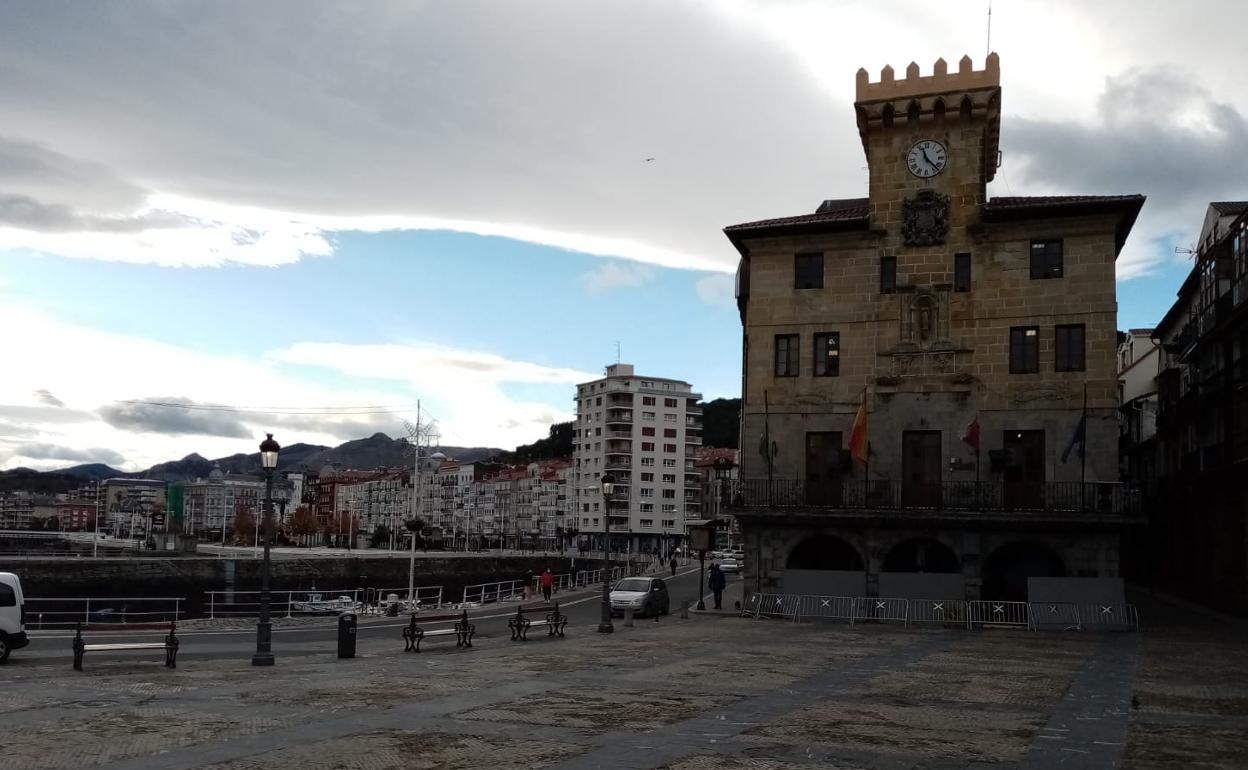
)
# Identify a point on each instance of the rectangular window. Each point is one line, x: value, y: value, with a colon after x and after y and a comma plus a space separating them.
x: 647, y: 416
x: 669, y: 433
x: 647, y: 431
x: 888, y: 275
x: 647, y: 446
x: 647, y: 507
x: 1069, y: 348
x: 828, y: 354
x: 669, y: 418
x: 670, y: 403
x: 786, y: 355
x: 808, y: 271
x: 669, y: 463
x: 647, y: 523
x: 962, y: 272
x: 647, y: 400
x: 669, y: 508
x: 669, y: 478
x: 669, y: 523
x: 669, y: 494
x: 647, y: 491
x: 1024, y: 349
x: 1046, y: 259
x: 647, y: 462
x: 647, y: 477
x: 669, y: 448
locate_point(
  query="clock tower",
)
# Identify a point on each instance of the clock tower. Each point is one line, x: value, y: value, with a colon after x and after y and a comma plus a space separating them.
x: 931, y: 146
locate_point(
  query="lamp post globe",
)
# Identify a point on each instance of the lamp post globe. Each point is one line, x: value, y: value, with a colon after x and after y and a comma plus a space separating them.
x: 264, y: 627
x: 608, y: 486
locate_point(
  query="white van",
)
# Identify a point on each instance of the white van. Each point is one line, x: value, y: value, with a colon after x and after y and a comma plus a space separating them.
x: 12, y: 615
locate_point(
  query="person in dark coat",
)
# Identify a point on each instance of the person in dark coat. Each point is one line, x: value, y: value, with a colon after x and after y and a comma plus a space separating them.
x: 717, y: 582
x: 673, y: 566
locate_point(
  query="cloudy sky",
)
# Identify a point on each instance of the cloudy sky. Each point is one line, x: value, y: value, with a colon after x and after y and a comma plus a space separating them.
x: 294, y: 207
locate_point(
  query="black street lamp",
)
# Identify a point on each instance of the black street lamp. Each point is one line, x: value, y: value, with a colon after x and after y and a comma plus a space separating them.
x: 605, y: 626
x: 264, y: 629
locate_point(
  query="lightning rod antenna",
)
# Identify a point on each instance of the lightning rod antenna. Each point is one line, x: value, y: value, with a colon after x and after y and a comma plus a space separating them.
x: 989, y: 45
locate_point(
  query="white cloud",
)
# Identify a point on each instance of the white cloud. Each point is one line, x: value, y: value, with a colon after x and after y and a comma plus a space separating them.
x: 465, y: 390
x: 247, y: 140
x: 717, y: 289
x: 616, y: 275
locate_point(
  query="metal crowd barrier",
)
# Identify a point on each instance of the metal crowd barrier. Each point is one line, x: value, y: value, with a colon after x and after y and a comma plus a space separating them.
x: 825, y: 608
x: 941, y: 612
x: 869, y: 609
x: 994, y: 613
x: 950, y: 613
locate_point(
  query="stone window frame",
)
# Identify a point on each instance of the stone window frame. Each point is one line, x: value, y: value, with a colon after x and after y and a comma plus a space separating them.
x: 788, y: 345
x: 888, y: 275
x: 807, y: 270
x: 1046, y: 259
x: 826, y: 365
x: 962, y: 271
x: 1064, y: 358
x: 1025, y: 361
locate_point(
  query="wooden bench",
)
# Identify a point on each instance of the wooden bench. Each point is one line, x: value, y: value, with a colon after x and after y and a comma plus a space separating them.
x: 463, y: 632
x: 169, y: 644
x: 554, y: 623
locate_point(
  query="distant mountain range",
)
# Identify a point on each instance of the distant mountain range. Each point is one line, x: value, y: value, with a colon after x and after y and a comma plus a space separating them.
x: 376, y: 451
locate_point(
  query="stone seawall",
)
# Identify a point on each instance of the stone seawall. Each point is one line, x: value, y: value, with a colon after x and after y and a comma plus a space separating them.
x: 190, y: 577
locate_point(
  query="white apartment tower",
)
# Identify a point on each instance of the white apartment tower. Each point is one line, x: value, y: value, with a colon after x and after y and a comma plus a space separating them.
x: 645, y: 432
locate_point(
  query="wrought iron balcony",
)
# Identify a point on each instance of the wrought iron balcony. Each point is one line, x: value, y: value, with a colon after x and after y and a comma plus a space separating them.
x: 952, y: 496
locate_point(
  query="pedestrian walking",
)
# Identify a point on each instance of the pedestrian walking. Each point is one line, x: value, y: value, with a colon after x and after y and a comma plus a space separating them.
x: 717, y: 582
x: 673, y: 566
x: 548, y: 584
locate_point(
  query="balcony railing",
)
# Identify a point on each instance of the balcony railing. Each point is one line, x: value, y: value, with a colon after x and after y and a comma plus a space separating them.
x: 972, y: 496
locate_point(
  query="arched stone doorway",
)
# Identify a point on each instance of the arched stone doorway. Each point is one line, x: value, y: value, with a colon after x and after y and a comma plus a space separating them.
x: 921, y: 555
x: 825, y: 565
x: 1006, y: 569
x: 824, y: 552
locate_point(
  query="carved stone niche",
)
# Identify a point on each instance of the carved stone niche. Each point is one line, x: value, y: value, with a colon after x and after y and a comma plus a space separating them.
x: 925, y: 218
x: 925, y: 321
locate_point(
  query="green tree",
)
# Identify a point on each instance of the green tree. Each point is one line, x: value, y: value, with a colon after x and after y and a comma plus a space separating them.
x: 244, y: 526
x: 721, y: 421
x: 380, y: 537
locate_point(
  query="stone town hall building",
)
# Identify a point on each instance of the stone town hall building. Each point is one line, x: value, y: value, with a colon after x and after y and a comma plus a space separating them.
x: 938, y: 308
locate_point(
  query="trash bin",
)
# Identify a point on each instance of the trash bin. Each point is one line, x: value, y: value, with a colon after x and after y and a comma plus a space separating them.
x: 346, y: 635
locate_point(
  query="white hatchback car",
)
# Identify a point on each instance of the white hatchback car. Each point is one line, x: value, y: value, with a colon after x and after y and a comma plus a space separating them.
x: 642, y: 595
x: 12, y: 615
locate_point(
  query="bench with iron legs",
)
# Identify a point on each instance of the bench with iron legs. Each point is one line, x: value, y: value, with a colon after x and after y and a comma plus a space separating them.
x: 554, y: 623
x: 169, y: 644
x: 463, y: 632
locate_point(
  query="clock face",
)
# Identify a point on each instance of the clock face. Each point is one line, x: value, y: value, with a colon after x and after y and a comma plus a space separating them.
x: 926, y: 158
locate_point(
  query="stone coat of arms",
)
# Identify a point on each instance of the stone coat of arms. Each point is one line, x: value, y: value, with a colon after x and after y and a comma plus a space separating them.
x: 925, y: 218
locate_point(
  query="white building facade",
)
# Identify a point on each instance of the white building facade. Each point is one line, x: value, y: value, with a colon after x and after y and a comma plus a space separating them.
x: 645, y: 432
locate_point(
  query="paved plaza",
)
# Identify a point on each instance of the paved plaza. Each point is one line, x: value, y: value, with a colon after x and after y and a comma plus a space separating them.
x: 714, y: 691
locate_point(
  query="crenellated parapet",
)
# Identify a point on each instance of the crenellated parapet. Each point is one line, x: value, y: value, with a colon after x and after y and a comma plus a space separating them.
x: 943, y: 97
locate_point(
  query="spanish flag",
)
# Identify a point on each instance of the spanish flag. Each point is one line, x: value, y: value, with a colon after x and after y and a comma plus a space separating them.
x: 858, y: 433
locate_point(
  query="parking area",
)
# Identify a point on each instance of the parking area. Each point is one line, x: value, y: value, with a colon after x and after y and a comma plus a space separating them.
x: 714, y: 691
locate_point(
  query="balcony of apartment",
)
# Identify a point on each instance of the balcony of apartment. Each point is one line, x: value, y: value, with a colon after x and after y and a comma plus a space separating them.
x: 619, y: 417
x: 617, y: 398
x: 624, y: 434
x: 619, y: 446
x: 692, y: 440
x: 692, y: 408
x: 947, y: 499
x: 618, y: 461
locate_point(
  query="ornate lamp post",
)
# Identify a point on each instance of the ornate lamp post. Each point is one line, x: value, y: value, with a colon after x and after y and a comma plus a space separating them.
x: 608, y: 486
x: 264, y: 629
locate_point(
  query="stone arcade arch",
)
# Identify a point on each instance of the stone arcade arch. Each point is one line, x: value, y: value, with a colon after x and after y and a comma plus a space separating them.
x: 1006, y: 569
x: 825, y: 565
x: 921, y: 554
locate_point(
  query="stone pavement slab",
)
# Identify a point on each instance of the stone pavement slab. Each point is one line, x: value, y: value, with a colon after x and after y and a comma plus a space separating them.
x: 714, y: 691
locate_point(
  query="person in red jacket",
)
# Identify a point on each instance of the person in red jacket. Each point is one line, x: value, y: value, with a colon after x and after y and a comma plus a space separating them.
x: 548, y: 584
